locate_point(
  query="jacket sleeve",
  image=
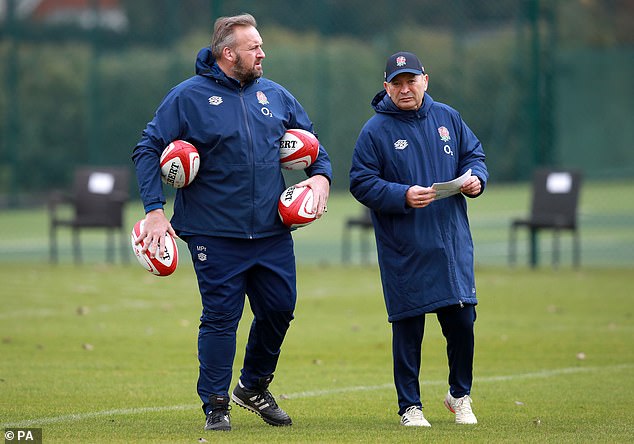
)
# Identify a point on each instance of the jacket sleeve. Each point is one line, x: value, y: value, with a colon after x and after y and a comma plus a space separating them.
x: 160, y: 131
x: 321, y: 166
x: 366, y: 183
x: 472, y: 155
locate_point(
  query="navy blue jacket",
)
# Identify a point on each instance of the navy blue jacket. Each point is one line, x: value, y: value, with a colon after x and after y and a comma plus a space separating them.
x: 237, y: 131
x: 426, y: 254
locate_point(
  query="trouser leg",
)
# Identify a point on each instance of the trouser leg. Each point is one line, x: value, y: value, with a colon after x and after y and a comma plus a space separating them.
x: 220, y: 267
x: 216, y: 353
x: 271, y: 288
x: 407, y: 338
x: 457, y: 327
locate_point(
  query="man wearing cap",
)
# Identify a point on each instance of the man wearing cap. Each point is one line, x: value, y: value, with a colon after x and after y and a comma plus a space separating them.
x: 424, y: 244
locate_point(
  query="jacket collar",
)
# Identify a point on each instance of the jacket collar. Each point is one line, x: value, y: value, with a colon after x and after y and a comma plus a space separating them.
x: 206, y: 66
x: 384, y: 105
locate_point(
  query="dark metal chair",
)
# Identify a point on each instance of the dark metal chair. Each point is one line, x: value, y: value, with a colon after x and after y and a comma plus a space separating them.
x: 554, y: 206
x: 364, y: 224
x: 98, y: 199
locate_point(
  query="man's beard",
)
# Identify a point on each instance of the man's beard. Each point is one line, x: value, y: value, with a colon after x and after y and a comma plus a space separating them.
x: 243, y: 73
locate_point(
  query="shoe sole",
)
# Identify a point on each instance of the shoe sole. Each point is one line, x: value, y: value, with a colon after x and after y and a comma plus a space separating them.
x: 252, y: 410
x: 416, y: 425
x: 219, y: 429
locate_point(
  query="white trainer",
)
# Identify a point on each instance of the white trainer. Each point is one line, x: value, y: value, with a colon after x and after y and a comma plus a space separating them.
x: 413, y: 416
x: 462, y: 408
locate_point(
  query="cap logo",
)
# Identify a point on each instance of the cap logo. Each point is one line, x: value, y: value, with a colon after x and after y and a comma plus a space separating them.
x: 401, y: 61
x: 444, y: 134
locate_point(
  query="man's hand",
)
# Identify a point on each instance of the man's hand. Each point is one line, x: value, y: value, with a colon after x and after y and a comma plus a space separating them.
x: 153, y: 233
x: 472, y: 187
x: 321, y: 190
x: 419, y: 197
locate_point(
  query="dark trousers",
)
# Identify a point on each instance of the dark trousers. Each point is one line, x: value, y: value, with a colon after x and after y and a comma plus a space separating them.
x: 407, y: 337
x: 227, y: 270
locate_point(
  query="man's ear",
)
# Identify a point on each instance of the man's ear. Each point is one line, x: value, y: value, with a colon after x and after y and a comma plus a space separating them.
x: 228, y: 54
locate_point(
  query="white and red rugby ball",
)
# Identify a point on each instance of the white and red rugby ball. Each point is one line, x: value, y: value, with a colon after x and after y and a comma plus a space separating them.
x: 179, y: 163
x: 298, y: 149
x: 296, y: 207
x: 160, y: 266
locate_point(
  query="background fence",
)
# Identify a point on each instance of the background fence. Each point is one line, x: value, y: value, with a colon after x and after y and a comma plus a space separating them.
x: 540, y: 82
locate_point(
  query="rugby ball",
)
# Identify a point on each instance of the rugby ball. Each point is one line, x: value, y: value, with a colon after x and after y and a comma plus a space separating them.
x: 179, y: 163
x: 296, y: 207
x: 298, y: 149
x: 160, y: 266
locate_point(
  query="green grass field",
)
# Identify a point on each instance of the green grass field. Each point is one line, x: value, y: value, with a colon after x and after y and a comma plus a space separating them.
x: 103, y: 353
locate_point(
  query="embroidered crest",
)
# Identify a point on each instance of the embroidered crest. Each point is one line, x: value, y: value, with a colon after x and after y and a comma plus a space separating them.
x: 444, y: 134
x: 400, y: 144
x: 202, y: 257
x: 215, y: 100
x: 262, y: 98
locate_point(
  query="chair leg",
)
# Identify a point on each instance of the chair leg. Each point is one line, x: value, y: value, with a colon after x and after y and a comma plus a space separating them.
x: 512, y: 246
x: 534, y: 254
x: 345, y: 246
x: 576, y: 247
x: 76, y: 246
x: 556, y: 248
x: 124, y: 246
x: 53, y: 244
x: 110, y: 239
x: 365, y: 248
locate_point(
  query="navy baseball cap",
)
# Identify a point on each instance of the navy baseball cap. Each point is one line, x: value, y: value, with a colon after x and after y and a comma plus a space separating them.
x: 402, y: 62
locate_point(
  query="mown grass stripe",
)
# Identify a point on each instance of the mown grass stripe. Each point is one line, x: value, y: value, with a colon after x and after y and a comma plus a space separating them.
x: 311, y: 394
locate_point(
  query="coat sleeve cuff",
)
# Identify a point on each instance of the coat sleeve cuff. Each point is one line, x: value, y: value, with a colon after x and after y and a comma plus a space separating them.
x: 152, y: 207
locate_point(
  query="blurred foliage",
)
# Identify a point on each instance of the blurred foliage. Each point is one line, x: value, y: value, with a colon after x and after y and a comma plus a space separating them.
x: 513, y: 69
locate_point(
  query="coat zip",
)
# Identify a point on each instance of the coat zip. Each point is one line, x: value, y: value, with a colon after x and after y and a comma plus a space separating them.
x: 251, y: 159
x: 450, y: 257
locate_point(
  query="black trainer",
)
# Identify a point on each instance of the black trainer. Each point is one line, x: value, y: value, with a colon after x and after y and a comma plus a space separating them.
x: 261, y: 402
x: 219, y: 417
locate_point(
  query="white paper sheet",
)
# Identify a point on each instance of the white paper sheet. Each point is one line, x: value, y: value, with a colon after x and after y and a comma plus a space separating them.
x: 446, y: 189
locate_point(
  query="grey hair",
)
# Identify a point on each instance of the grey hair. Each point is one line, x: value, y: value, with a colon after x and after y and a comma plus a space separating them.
x: 223, y: 36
